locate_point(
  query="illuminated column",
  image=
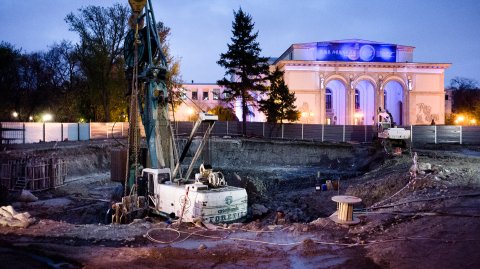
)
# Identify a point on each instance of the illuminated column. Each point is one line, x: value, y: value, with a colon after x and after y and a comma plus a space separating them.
x: 322, y: 102
x: 406, y: 101
x: 350, y: 102
x: 379, y: 97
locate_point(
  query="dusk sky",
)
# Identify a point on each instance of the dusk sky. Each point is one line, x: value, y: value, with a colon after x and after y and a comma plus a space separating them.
x: 441, y: 31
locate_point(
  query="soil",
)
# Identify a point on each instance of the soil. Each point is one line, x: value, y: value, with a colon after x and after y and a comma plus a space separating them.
x: 430, y: 220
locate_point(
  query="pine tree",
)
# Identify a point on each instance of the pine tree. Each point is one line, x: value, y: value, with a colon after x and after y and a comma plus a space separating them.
x: 246, y: 70
x: 280, y: 104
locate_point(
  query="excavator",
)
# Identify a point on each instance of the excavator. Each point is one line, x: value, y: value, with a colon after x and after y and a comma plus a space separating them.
x: 162, y: 188
x: 392, y: 138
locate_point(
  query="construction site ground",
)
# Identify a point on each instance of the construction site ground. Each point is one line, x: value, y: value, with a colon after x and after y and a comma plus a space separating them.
x: 427, y: 220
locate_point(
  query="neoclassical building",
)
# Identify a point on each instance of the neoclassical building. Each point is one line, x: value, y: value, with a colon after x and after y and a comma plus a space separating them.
x: 348, y: 81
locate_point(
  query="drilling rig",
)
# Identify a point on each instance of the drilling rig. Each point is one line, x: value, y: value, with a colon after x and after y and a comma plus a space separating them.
x: 162, y: 188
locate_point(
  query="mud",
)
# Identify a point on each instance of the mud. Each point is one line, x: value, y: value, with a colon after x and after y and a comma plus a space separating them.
x: 428, y: 221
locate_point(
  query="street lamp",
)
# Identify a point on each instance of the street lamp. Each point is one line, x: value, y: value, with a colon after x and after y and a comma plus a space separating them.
x: 15, y: 114
x: 47, y: 117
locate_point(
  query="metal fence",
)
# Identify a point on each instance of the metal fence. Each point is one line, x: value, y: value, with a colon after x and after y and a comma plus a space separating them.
x: 430, y: 134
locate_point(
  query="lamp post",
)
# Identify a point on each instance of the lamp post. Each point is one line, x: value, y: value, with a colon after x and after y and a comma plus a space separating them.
x: 15, y: 115
x: 46, y: 117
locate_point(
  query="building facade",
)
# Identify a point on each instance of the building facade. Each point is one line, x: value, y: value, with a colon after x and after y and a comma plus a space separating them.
x: 349, y: 81
x: 198, y: 97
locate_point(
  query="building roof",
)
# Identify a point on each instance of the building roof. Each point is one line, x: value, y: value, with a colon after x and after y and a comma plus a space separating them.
x: 352, y: 40
x: 341, y: 41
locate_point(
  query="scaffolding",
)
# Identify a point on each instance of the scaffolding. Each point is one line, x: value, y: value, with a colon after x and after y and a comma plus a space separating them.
x: 33, y: 174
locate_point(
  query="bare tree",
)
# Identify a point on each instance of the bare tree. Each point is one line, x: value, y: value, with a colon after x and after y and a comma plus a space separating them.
x: 102, y: 31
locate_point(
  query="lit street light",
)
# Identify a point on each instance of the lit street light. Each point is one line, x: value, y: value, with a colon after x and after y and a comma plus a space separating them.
x: 47, y: 117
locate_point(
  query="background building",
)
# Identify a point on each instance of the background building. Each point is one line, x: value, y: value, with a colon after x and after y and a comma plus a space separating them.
x: 197, y: 97
x: 347, y: 82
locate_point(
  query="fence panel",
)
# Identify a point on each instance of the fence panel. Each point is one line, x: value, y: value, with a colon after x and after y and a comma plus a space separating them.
x: 312, y: 132
x: 292, y: 131
x: 98, y: 130
x: 273, y: 130
x: 448, y: 134
x: 12, y: 132
x: 371, y: 133
x: 53, y: 131
x: 423, y: 135
x: 255, y: 129
x: 84, y: 131
x: 184, y: 127
x: 70, y: 131
x: 355, y: 133
x: 116, y: 130
x: 470, y: 135
x: 235, y: 128
x: 220, y: 128
x: 333, y: 133
x: 33, y: 132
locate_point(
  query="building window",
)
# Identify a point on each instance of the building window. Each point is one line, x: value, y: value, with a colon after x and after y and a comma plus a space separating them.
x: 182, y: 94
x: 328, y: 99
x: 216, y: 94
x: 446, y: 97
x: 205, y: 95
x: 194, y: 95
x: 357, y: 99
x: 226, y: 95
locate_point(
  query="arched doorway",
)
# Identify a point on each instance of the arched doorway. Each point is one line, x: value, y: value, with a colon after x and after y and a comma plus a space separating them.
x: 393, y: 100
x: 364, y: 103
x: 335, y: 103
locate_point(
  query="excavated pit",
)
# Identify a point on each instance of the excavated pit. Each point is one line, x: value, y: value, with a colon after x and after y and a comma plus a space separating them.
x: 433, y: 215
x: 276, y: 174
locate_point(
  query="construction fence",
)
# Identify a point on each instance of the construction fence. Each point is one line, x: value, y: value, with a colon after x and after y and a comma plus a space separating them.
x: 17, y: 132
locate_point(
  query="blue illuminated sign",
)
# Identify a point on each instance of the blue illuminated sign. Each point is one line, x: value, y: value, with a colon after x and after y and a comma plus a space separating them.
x: 356, y: 52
